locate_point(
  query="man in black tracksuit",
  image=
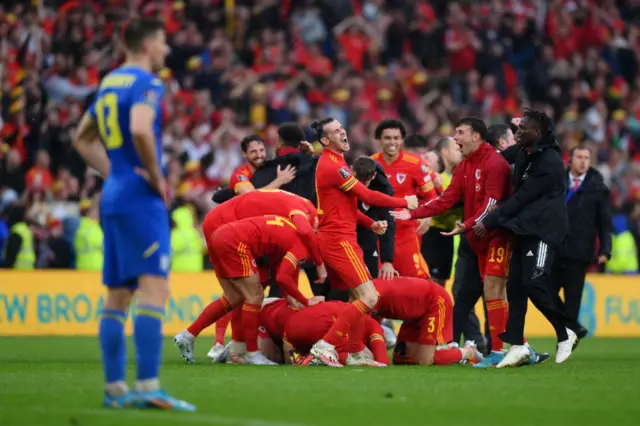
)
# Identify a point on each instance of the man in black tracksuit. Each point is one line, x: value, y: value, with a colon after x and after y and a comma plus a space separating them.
x: 537, y: 215
x: 589, y: 217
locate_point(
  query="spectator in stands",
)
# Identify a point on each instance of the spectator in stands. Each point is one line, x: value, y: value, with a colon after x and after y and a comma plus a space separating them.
x: 18, y: 251
x: 248, y: 69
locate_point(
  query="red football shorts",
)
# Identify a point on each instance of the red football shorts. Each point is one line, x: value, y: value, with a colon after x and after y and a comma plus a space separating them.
x: 494, y: 260
x: 344, y: 261
x: 408, y: 260
x: 231, y: 258
x: 435, y: 327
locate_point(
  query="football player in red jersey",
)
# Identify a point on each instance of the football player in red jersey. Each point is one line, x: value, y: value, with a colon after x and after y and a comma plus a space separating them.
x: 408, y: 174
x: 481, y: 180
x: 299, y: 329
x: 233, y: 250
x: 254, y: 151
x: 338, y: 192
x: 427, y: 314
x: 298, y: 210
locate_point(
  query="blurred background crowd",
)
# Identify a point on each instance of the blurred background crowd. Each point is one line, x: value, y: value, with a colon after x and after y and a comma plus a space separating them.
x: 240, y: 67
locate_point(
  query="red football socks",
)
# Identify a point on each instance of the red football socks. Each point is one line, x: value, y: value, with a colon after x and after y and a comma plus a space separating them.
x: 250, y: 323
x: 212, y: 313
x: 221, y: 328
x: 497, y: 312
x: 237, y: 327
x: 339, y: 333
x: 447, y: 356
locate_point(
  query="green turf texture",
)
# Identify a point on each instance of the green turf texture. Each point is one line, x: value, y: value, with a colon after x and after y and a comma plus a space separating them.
x: 58, y: 381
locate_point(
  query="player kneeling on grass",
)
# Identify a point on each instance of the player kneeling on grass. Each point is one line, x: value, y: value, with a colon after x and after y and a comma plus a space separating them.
x: 233, y: 249
x: 288, y: 333
x: 365, y: 345
x: 427, y: 314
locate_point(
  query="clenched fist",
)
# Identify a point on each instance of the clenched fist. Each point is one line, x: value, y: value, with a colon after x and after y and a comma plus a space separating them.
x: 412, y: 202
x: 379, y: 227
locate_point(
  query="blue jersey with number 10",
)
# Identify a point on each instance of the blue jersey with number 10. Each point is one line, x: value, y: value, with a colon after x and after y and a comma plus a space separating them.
x: 125, y: 191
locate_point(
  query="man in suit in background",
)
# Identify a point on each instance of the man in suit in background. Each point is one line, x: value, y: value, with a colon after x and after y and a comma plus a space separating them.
x: 589, y: 218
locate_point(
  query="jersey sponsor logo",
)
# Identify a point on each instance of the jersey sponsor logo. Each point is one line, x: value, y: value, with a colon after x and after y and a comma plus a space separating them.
x: 477, y: 173
x: 344, y: 172
x: 427, y: 178
x: 401, y: 177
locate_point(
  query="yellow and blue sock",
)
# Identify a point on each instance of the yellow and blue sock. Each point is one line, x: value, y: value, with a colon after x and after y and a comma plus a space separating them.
x: 113, y: 345
x: 147, y: 337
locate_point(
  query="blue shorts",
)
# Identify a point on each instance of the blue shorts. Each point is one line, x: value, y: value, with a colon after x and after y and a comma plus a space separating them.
x: 135, y: 244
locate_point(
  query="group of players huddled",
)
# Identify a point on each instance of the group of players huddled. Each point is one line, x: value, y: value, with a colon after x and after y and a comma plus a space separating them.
x: 268, y: 231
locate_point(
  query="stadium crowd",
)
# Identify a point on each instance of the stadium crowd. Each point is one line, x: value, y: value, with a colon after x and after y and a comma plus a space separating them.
x: 244, y: 67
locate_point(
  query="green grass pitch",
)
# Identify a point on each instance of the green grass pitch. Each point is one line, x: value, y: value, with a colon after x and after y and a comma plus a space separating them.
x: 58, y: 381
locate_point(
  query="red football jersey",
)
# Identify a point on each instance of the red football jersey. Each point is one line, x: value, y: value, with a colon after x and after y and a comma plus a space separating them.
x: 267, y: 201
x: 405, y: 298
x: 277, y: 239
x: 259, y: 203
x: 241, y: 177
x: 408, y: 175
x: 338, y: 192
x: 274, y: 317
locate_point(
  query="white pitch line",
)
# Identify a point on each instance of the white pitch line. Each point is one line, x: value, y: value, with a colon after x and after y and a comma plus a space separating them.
x: 190, y: 418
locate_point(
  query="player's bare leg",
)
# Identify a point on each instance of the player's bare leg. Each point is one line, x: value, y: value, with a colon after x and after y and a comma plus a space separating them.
x: 253, y: 292
x: 153, y: 293
x: 231, y: 298
x: 414, y: 353
x: 365, y: 298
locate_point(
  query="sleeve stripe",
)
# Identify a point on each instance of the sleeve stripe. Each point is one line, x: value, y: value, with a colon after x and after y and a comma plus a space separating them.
x: 238, y: 185
x: 427, y: 186
x: 375, y: 337
x: 350, y: 183
x: 291, y: 258
x: 295, y: 212
x: 491, y: 202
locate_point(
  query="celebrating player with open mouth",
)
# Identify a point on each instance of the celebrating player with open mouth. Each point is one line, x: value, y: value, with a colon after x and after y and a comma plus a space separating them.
x: 338, y: 191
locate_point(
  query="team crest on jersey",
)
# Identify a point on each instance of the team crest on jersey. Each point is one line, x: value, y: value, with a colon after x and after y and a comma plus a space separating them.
x: 477, y: 187
x: 242, y: 178
x: 344, y: 172
x: 477, y: 173
x: 400, y: 177
x: 424, y: 168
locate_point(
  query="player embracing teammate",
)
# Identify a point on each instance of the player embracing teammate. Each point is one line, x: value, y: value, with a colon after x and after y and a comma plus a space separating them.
x: 481, y: 181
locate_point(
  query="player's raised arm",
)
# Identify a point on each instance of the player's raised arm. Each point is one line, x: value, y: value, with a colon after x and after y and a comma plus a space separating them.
x: 444, y: 202
x: 89, y: 146
x: 143, y: 114
x: 373, y: 198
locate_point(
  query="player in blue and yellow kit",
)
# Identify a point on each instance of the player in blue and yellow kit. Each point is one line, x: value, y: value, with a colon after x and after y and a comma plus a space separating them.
x: 126, y: 116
